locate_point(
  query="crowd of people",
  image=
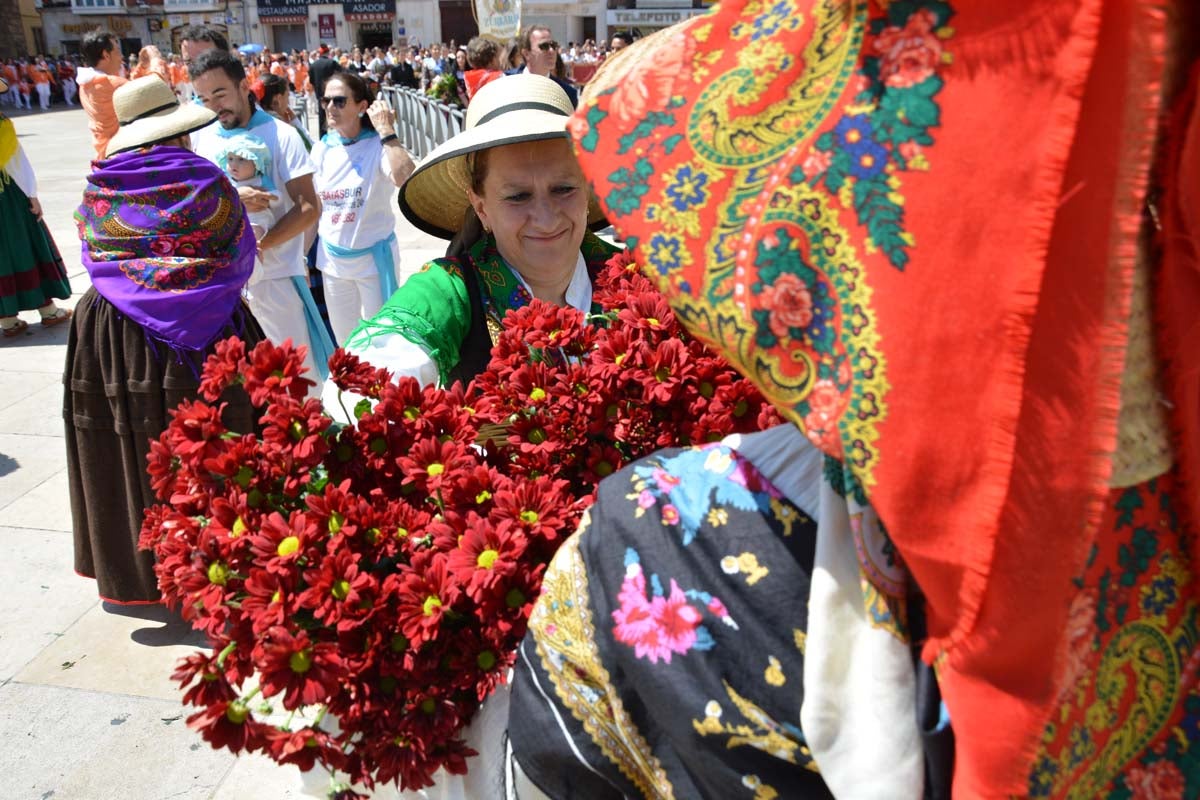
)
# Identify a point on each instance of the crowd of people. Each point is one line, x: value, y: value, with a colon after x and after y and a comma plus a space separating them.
x: 1000, y: 490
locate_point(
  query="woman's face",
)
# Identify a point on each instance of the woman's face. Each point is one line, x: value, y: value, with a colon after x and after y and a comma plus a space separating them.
x: 344, y: 120
x: 535, y: 201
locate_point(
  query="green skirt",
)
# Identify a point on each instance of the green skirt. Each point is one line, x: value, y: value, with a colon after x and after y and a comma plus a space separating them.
x: 31, y: 270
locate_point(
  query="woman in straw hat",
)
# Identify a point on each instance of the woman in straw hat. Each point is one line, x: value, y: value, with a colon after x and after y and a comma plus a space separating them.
x: 168, y: 249
x: 31, y: 270
x: 957, y: 247
x: 509, y: 192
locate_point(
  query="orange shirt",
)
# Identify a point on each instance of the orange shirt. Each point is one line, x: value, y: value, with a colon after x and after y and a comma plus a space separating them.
x: 10, y: 74
x: 96, y: 96
x: 279, y: 69
x: 39, y: 75
x: 301, y: 75
x: 179, y: 74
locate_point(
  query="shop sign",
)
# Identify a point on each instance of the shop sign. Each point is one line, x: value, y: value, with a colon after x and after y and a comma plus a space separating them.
x: 283, y: 11
x: 650, y: 18
x: 369, y: 10
x: 326, y: 27
x: 119, y: 25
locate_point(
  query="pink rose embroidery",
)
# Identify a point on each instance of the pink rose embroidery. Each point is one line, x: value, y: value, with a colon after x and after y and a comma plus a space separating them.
x: 101, y: 207
x: 789, y: 303
x: 909, y: 55
x: 1161, y: 780
x: 162, y: 246
x: 648, y: 88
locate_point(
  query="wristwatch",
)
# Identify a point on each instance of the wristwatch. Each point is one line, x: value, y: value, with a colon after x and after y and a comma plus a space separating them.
x: 391, y: 137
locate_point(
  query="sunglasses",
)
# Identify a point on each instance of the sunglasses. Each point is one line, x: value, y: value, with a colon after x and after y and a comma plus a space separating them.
x: 336, y: 102
x: 544, y: 46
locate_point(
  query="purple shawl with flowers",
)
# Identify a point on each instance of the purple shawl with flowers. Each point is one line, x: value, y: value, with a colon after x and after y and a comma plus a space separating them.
x: 166, y: 241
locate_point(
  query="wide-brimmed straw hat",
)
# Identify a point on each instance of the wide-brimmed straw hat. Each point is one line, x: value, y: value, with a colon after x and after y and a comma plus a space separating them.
x: 3, y: 86
x: 149, y: 112
x: 510, y: 110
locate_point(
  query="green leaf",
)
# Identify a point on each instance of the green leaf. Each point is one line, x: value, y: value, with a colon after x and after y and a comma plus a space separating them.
x: 1129, y: 502
x: 362, y: 408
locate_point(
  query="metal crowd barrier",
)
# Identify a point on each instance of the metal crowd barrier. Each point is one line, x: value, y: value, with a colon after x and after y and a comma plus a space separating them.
x: 421, y: 123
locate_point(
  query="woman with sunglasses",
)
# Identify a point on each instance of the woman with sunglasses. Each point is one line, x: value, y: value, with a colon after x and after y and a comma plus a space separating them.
x: 359, y: 162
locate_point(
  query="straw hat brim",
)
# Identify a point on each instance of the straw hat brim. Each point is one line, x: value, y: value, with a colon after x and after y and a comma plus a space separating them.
x: 3, y: 86
x: 151, y: 130
x: 434, y: 198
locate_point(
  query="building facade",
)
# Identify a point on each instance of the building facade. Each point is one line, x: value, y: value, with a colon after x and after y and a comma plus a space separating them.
x: 284, y: 25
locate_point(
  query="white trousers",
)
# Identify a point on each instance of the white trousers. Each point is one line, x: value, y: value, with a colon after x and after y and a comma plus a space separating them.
x: 43, y: 90
x: 349, y: 301
x: 280, y: 312
x: 68, y: 91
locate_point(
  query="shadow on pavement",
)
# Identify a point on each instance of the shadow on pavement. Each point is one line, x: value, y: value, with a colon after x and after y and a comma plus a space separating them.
x: 173, y: 631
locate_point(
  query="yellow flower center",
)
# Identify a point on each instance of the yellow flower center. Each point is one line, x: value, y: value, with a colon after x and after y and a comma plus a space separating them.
x: 431, y: 603
x: 486, y: 559
x: 301, y: 662
x: 335, y: 522
x: 340, y: 589
x: 537, y: 395
x: 435, y: 469
x: 288, y: 546
x: 483, y: 497
x: 529, y: 517
x: 218, y: 573
x: 239, y: 527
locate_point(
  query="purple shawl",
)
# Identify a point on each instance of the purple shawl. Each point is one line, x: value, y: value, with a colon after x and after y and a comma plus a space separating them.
x: 166, y: 241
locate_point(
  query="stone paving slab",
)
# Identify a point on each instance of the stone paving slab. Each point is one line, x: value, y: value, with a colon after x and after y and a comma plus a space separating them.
x: 27, y: 461
x: 79, y: 745
x: 42, y: 507
x: 43, y: 597
x: 39, y: 414
x: 97, y: 653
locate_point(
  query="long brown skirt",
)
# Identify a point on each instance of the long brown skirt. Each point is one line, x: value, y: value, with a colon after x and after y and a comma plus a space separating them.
x: 119, y: 387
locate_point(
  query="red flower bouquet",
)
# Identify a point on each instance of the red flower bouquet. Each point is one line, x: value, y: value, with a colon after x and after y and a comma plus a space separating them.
x: 381, y: 574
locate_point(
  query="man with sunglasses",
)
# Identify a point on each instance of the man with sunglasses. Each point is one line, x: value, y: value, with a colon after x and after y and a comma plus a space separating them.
x: 541, y: 52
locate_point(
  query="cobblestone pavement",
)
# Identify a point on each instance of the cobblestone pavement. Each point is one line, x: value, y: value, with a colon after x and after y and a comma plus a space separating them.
x: 87, y: 708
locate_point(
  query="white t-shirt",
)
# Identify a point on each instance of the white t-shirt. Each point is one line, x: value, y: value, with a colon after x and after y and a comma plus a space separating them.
x: 289, y: 161
x: 356, y: 194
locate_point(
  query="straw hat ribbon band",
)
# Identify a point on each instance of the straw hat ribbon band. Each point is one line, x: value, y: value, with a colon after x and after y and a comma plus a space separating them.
x: 526, y: 106
x: 150, y: 113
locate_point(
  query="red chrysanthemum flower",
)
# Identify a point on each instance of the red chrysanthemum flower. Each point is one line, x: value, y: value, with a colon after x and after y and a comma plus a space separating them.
x: 276, y: 371
x: 351, y: 374
x: 303, y: 671
x: 424, y: 593
x: 223, y: 368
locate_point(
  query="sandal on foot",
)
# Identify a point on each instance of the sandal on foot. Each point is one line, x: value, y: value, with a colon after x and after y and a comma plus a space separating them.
x: 16, y: 330
x: 61, y: 315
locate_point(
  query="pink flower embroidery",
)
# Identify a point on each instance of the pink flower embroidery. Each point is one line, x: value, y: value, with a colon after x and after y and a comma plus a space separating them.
x: 649, y: 87
x: 162, y: 246
x: 656, y: 628
x: 101, y: 207
x: 1161, y: 780
x: 666, y: 481
x: 816, y: 163
x: 789, y: 303
x: 1081, y: 629
x: 910, y: 55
